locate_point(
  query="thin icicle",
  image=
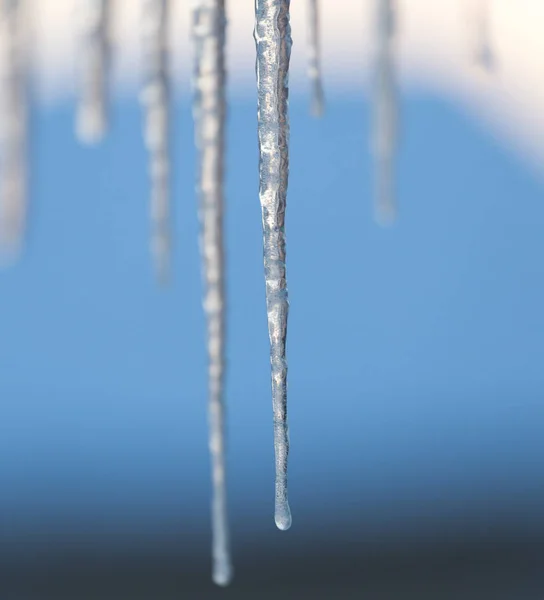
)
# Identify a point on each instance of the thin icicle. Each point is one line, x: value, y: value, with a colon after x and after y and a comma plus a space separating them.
x: 155, y: 100
x: 209, y: 27
x: 314, y: 59
x: 13, y: 128
x: 385, y: 113
x: 483, y: 55
x: 92, y: 114
x: 273, y: 42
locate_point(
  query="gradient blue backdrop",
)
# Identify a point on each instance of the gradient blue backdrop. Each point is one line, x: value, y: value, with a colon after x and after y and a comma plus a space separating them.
x: 415, y: 352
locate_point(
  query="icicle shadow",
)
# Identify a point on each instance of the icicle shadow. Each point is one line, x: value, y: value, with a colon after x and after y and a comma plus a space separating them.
x: 273, y: 43
x: 209, y: 25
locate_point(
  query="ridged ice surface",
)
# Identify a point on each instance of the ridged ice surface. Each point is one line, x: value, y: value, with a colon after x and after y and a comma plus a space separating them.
x: 273, y: 41
x: 209, y: 113
x: 155, y: 102
x: 13, y: 128
x: 92, y: 113
x: 384, y: 143
x: 314, y: 59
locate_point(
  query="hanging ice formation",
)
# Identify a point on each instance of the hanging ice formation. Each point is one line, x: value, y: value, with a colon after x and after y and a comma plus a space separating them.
x: 209, y: 25
x: 384, y: 140
x: 314, y: 59
x: 155, y: 101
x: 273, y: 42
x: 483, y: 52
x: 13, y: 128
x: 273, y: 46
x: 92, y: 114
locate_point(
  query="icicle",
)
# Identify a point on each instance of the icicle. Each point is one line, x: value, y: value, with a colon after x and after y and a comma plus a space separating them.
x: 385, y: 114
x: 273, y: 42
x: 209, y: 112
x: 314, y: 59
x: 155, y: 101
x: 483, y: 53
x: 13, y: 128
x: 92, y: 114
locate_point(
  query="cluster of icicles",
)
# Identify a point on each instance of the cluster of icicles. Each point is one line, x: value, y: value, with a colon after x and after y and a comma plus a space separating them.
x: 273, y: 48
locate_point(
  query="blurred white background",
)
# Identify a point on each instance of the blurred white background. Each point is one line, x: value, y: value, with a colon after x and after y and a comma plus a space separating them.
x: 436, y: 48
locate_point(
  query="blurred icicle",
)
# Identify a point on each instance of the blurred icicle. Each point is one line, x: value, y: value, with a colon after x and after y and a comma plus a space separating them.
x: 314, y: 59
x: 155, y: 101
x: 482, y: 52
x: 13, y: 128
x: 209, y: 25
x: 273, y: 42
x: 92, y: 114
x: 384, y: 142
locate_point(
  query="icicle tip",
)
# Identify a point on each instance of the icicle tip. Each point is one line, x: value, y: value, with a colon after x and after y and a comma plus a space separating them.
x: 282, y: 516
x: 317, y: 108
x: 386, y: 215
x: 90, y: 128
x: 222, y: 575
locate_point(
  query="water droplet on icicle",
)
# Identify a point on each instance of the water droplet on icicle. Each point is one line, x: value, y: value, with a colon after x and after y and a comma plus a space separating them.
x: 384, y: 142
x: 155, y: 102
x: 209, y: 26
x: 273, y: 42
x: 92, y: 111
x: 314, y: 60
x: 13, y: 128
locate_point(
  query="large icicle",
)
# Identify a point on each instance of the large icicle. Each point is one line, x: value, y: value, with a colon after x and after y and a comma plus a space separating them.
x: 209, y: 26
x: 384, y: 142
x: 155, y: 100
x: 92, y: 113
x: 13, y: 127
x: 273, y: 42
x: 314, y: 59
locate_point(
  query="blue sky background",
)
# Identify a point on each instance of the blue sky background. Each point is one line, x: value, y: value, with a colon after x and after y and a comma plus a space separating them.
x: 415, y: 352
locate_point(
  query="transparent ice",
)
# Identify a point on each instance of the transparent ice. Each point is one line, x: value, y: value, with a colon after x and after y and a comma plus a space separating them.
x: 384, y: 140
x: 483, y: 52
x: 13, y: 128
x: 155, y: 101
x: 209, y: 24
x: 92, y: 113
x: 314, y: 59
x: 273, y: 42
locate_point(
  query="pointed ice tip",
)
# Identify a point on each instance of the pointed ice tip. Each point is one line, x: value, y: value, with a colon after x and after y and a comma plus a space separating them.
x: 160, y: 250
x: 386, y: 218
x: 90, y: 129
x: 386, y: 213
x: 317, y: 109
x: 485, y: 61
x: 283, y: 517
x: 163, y: 275
x: 222, y: 576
